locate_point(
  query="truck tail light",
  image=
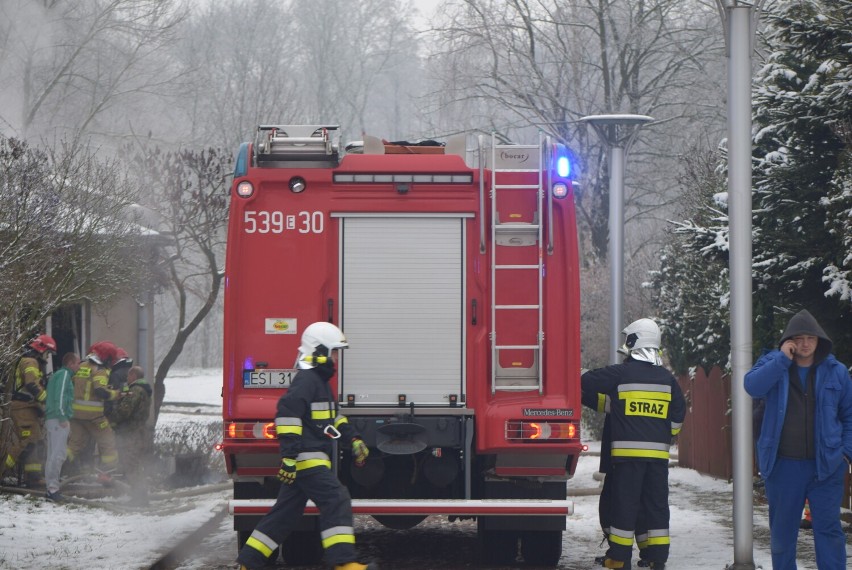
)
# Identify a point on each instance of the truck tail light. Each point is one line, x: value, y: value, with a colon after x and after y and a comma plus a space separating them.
x: 251, y: 430
x: 540, y: 431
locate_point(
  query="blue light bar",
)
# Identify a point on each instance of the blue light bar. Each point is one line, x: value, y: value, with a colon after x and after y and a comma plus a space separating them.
x: 561, y: 159
x: 563, y: 166
x: 242, y: 161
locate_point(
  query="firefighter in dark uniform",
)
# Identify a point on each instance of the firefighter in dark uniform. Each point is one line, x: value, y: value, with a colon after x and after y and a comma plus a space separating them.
x: 307, y: 422
x: 27, y: 410
x: 119, y: 369
x: 118, y: 376
x: 647, y: 409
x: 600, y: 403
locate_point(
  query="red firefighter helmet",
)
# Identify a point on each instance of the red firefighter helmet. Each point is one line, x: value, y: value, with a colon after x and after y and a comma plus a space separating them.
x: 103, y: 353
x: 122, y: 356
x: 43, y: 343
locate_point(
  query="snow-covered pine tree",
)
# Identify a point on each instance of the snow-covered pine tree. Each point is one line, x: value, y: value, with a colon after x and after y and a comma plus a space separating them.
x: 802, y: 222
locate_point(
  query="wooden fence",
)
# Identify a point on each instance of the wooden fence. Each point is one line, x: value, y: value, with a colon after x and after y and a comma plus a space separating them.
x: 704, y: 444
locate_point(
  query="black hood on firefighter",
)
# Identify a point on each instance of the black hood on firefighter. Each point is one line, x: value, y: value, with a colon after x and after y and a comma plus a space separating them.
x: 40, y: 357
x: 803, y: 323
x: 326, y: 370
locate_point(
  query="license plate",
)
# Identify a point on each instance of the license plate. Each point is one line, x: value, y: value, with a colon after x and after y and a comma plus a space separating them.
x: 268, y: 378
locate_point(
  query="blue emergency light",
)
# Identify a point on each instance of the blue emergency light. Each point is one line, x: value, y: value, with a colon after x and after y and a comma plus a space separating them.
x: 561, y: 161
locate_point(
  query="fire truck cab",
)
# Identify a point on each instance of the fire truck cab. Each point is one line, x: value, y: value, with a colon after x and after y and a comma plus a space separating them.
x: 453, y: 271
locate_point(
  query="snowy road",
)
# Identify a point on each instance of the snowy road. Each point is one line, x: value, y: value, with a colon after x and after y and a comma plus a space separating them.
x: 701, y: 507
x: 36, y: 534
x: 702, y: 535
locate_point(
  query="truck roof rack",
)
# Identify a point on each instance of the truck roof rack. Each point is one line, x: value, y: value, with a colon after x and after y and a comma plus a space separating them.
x: 288, y: 143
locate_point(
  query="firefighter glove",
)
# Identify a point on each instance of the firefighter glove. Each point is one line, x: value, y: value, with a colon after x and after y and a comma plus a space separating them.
x: 287, y: 473
x: 102, y: 393
x: 32, y: 389
x: 360, y: 451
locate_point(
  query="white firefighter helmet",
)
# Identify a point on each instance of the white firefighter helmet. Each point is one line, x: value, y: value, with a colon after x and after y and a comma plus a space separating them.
x: 643, y: 333
x: 318, y: 340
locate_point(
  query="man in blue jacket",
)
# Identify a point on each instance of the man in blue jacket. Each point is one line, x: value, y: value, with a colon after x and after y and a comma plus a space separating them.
x: 805, y: 440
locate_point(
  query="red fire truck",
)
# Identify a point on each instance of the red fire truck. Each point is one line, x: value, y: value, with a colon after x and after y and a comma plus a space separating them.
x: 453, y: 271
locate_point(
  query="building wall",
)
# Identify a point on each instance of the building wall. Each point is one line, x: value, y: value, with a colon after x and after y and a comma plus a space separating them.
x: 128, y: 324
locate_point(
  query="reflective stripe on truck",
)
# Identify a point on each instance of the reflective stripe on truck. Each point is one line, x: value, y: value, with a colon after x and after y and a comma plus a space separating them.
x: 385, y: 507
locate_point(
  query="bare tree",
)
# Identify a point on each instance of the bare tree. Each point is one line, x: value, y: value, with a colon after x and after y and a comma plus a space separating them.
x: 516, y: 66
x: 64, y: 237
x: 349, y: 49
x: 91, y: 67
x: 189, y: 197
x: 544, y: 64
x: 242, y: 59
x: 294, y: 62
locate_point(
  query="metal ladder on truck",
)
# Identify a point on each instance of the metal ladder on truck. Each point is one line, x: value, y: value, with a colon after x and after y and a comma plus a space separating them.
x: 517, y: 332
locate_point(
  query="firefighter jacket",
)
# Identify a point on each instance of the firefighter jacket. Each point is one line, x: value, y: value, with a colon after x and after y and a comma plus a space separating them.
x: 647, y: 408
x: 60, y: 395
x: 130, y: 411
x: 308, y: 419
x: 29, y: 383
x: 91, y: 391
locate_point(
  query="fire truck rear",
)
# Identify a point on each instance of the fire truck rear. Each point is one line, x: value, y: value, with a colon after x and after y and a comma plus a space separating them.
x: 453, y: 271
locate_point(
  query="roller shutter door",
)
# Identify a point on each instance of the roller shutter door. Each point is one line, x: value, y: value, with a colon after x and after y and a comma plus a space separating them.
x: 402, y: 309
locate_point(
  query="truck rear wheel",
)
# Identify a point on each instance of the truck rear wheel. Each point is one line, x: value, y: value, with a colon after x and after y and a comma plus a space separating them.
x: 498, y: 547
x: 541, y: 547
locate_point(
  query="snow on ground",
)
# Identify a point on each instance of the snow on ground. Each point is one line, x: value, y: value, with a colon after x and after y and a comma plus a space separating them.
x: 35, y: 533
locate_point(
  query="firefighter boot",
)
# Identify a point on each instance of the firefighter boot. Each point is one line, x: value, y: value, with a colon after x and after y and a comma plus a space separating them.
x: 610, y: 563
x: 356, y: 566
x: 650, y: 564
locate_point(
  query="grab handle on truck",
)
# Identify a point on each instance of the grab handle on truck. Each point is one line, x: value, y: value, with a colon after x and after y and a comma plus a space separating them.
x: 548, y: 154
x: 481, y: 197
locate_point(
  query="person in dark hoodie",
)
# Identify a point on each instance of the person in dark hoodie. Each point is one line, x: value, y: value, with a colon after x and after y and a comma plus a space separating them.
x: 129, y: 418
x: 805, y: 440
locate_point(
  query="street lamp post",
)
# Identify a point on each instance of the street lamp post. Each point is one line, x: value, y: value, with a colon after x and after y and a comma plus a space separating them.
x: 617, y: 132
x: 738, y: 20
